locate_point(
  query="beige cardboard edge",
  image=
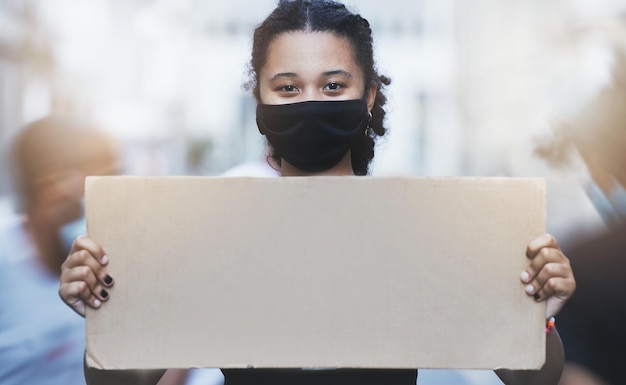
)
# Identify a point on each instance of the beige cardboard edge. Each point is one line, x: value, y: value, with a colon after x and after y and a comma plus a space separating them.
x: 91, y: 361
x: 93, y: 358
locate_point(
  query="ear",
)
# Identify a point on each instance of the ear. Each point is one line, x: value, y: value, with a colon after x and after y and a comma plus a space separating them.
x: 370, y: 96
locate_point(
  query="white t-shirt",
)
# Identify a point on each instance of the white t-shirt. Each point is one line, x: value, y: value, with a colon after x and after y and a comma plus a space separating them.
x: 42, y: 340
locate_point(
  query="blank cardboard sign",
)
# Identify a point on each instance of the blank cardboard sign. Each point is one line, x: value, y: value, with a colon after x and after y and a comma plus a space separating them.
x: 314, y: 272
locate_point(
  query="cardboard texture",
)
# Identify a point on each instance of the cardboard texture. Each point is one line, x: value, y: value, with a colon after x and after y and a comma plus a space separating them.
x: 316, y: 272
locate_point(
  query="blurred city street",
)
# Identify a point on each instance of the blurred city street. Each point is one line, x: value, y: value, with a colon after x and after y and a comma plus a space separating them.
x: 477, y: 88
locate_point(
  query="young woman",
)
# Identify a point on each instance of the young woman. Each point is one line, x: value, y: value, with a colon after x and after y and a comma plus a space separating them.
x: 320, y: 104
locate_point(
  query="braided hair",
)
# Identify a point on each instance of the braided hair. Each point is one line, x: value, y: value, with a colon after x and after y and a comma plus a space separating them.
x: 327, y: 16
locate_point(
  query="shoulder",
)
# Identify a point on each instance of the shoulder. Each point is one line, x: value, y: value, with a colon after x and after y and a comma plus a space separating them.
x: 251, y: 169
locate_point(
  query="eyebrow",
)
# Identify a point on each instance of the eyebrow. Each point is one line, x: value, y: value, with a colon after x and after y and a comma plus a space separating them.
x: 338, y: 72
x: 283, y: 75
x: 325, y: 74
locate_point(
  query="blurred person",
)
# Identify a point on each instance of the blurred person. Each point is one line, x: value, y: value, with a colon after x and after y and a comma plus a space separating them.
x: 40, y: 341
x: 593, y: 322
x: 321, y: 106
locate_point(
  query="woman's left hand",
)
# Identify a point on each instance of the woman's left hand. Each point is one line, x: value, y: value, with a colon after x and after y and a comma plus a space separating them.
x: 549, y: 275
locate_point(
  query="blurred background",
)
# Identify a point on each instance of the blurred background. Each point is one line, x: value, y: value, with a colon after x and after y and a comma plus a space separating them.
x: 476, y: 86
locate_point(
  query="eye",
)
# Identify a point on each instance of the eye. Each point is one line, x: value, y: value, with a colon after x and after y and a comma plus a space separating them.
x: 288, y: 88
x: 333, y: 86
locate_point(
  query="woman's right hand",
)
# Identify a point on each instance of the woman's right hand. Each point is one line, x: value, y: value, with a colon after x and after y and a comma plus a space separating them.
x: 84, y: 276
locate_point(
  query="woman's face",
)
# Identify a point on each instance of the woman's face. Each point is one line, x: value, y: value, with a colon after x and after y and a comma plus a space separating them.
x: 303, y: 66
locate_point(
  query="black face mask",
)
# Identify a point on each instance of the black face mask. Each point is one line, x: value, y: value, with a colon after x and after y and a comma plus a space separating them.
x: 315, y: 135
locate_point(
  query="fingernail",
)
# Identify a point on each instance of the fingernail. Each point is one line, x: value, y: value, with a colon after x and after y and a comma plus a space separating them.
x: 104, y: 293
x: 104, y: 260
x: 536, y: 296
x: 525, y: 276
x: 529, y: 289
x: 96, y: 302
x: 108, y: 279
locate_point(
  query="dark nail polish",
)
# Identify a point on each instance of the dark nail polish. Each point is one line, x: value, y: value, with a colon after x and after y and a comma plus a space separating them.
x: 108, y: 279
x: 536, y: 297
x: 104, y: 293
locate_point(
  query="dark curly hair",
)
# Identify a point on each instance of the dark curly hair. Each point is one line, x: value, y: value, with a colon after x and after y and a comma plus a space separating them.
x: 334, y: 17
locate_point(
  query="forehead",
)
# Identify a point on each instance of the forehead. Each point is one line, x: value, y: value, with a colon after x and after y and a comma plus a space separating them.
x: 308, y: 53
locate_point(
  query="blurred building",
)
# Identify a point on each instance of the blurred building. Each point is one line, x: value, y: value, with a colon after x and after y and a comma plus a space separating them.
x: 25, y: 65
x: 475, y: 84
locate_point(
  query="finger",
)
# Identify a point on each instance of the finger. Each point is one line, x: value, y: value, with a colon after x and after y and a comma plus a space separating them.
x: 86, y: 275
x: 544, y: 256
x: 84, y: 258
x: 548, y: 271
x: 543, y: 241
x: 93, y: 247
x: 559, y: 287
x: 74, y: 302
x: 77, y: 295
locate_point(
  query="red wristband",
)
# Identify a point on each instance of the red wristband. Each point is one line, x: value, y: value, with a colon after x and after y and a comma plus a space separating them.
x: 549, y: 324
